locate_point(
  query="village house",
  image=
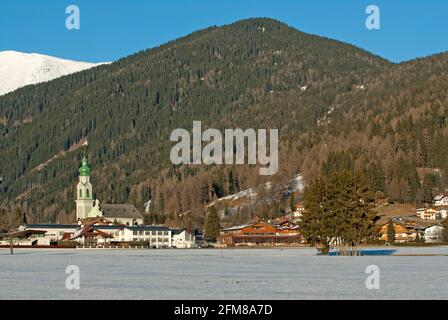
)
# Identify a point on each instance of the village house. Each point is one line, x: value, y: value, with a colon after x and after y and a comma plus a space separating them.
x: 183, y: 239
x: 428, y: 214
x: 434, y: 234
x: 299, y: 210
x: 285, y: 224
x: 260, y: 233
x: 404, y: 232
x: 89, y: 236
x: 441, y: 200
x: 25, y: 238
x: 99, y: 235
x: 52, y: 232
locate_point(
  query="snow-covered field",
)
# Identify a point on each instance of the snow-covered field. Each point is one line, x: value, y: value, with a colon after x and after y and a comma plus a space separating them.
x: 221, y: 274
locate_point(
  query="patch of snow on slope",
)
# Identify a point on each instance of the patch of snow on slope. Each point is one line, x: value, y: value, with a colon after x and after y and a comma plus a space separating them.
x: 19, y: 69
x: 298, y: 184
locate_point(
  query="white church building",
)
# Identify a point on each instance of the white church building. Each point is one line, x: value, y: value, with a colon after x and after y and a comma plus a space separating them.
x: 87, y: 207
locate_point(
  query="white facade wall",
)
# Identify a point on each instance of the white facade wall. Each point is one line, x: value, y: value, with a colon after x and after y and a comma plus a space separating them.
x: 441, y: 202
x: 434, y: 234
x: 53, y: 233
x: 157, y: 238
x: 428, y: 215
x: 41, y: 241
x: 183, y: 240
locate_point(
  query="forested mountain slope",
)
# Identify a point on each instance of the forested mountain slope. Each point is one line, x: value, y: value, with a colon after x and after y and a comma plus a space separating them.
x: 357, y: 109
x: 395, y: 130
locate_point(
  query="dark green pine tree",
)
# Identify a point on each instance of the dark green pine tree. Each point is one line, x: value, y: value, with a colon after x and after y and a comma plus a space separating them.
x: 390, y: 231
x: 418, y: 239
x: 212, y: 225
x: 445, y: 233
x: 352, y: 203
x: 339, y: 207
x: 317, y: 221
x: 292, y: 202
x: 427, y: 189
x: 361, y: 203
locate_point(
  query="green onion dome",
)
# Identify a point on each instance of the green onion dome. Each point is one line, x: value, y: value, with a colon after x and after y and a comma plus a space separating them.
x: 84, y: 170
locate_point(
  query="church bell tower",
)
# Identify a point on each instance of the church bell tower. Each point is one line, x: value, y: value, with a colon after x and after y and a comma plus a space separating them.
x: 84, y: 200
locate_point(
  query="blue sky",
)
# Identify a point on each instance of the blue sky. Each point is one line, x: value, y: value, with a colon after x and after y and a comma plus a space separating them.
x: 112, y: 29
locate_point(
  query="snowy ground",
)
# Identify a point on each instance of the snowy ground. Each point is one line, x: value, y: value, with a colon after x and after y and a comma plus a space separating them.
x: 221, y: 274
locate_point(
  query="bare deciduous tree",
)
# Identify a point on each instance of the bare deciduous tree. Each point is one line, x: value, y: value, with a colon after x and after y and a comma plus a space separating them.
x: 10, y: 220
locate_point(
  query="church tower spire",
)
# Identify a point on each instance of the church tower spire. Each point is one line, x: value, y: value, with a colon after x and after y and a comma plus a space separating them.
x: 84, y: 200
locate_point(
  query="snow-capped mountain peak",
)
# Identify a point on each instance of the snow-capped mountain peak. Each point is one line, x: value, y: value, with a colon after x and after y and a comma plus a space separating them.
x: 19, y: 69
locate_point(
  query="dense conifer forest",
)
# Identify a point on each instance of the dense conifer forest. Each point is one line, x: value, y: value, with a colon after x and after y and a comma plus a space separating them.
x: 358, y: 112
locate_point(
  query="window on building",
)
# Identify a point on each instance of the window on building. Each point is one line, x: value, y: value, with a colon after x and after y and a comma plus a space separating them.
x: 80, y: 193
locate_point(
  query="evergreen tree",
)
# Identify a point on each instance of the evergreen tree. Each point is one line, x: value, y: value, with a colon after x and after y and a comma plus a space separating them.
x: 352, y: 200
x: 317, y: 221
x: 427, y: 190
x: 292, y: 202
x: 212, y: 225
x: 338, y: 209
x: 418, y: 239
x: 390, y: 231
x: 445, y: 233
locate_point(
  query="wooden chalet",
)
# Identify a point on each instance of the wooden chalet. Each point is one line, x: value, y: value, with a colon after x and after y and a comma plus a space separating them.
x: 88, y: 235
x: 404, y: 231
x: 260, y: 233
